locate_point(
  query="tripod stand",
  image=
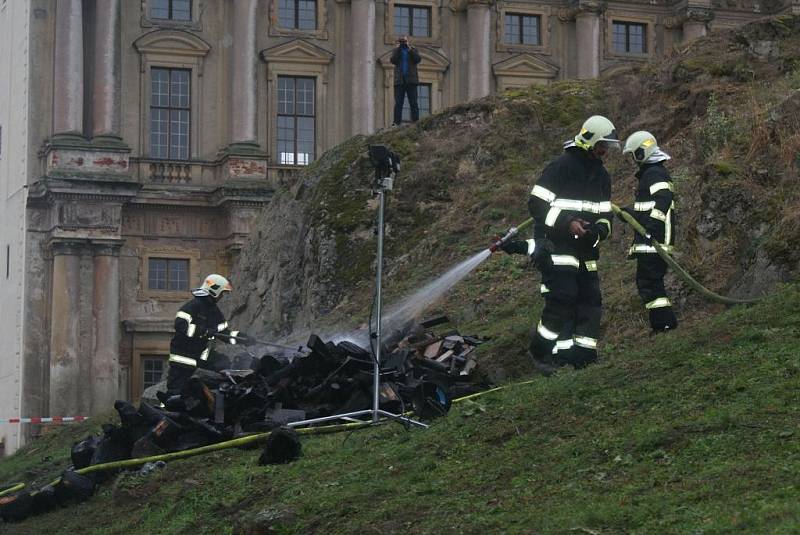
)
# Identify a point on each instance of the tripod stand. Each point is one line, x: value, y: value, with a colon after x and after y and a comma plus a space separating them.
x: 387, y: 164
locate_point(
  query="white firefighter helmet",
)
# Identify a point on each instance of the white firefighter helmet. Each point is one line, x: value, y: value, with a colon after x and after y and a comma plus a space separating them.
x: 596, y: 129
x: 641, y: 145
x: 213, y: 285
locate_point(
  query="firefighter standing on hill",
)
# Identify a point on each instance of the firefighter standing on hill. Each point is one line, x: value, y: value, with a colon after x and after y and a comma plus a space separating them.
x: 571, y: 208
x: 654, y: 209
x: 197, y: 323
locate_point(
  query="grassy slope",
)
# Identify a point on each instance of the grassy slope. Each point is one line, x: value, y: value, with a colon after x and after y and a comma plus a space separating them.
x: 695, y: 432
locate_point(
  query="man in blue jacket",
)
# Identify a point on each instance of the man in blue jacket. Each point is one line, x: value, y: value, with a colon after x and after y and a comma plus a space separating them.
x: 405, y: 59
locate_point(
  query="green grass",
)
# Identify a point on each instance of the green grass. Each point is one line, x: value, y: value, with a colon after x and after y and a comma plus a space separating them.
x: 692, y: 432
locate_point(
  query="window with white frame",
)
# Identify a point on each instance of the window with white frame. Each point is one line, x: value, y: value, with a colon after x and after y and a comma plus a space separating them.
x: 298, y: 14
x: 523, y: 29
x: 153, y: 368
x: 296, y: 120
x: 170, y: 111
x: 412, y: 20
x: 629, y: 37
x: 178, y: 10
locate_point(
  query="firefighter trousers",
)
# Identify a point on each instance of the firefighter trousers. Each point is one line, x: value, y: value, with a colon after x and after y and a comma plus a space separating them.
x: 177, y: 377
x: 650, y: 271
x: 568, y: 330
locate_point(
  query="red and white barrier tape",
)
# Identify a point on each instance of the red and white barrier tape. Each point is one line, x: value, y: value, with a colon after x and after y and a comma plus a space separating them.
x: 53, y: 420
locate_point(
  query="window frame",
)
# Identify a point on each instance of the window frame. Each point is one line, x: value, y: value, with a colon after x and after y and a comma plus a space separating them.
x: 521, y: 17
x: 143, y: 358
x: 144, y: 293
x: 168, y: 261
x: 411, y: 8
x: 170, y: 109
x: 544, y: 13
x: 434, y: 39
x: 628, y: 25
x: 276, y: 30
x: 295, y: 115
x: 194, y: 23
x: 171, y: 49
x: 649, y: 41
x: 147, y: 344
x: 296, y: 25
x: 169, y: 12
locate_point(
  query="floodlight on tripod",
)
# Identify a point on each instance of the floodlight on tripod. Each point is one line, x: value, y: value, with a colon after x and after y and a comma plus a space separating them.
x: 387, y: 165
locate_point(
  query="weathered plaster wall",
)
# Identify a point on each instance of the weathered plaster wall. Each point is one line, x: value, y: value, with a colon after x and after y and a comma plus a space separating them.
x: 14, y: 28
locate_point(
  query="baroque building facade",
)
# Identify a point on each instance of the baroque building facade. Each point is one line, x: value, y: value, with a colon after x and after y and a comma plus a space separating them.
x: 139, y: 139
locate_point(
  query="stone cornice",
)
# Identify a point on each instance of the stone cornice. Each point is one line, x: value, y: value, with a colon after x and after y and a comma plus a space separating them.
x: 66, y: 247
x: 297, y: 51
x: 149, y: 325
x: 172, y: 42
x: 47, y: 191
x: 581, y: 7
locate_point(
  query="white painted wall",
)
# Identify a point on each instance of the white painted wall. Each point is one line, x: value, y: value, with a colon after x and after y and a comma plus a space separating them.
x: 14, y: 39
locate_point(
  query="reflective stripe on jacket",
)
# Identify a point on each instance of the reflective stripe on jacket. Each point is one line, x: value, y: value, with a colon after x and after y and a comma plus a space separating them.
x: 573, y: 186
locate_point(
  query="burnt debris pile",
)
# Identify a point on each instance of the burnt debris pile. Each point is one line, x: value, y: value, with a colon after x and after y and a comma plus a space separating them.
x: 421, y: 371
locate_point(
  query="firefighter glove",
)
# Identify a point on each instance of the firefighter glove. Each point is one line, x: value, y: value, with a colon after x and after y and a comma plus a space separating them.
x: 600, y: 229
x: 515, y: 247
x: 207, y: 334
x: 542, y: 252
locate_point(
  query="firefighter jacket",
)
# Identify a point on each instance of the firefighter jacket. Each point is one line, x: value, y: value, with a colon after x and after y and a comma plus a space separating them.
x: 196, y: 323
x: 575, y: 185
x: 654, y: 208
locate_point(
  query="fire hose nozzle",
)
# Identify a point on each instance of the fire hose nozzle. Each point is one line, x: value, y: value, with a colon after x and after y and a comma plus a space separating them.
x: 508, y: 235
x: 513, y: 231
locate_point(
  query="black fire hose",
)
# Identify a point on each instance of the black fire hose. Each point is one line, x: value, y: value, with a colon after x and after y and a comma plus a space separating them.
x: 682, y: 273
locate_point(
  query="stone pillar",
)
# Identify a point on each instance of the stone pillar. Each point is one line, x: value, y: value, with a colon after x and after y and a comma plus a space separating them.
x: 65, y: 330
x: 362, y: 89
x: 68, y: 70
x: 479, y: 20
x: 696, y: 23
x: 243, y: 101
x: 106, y: 82
x: 587, y: 33
x: 106, y: 314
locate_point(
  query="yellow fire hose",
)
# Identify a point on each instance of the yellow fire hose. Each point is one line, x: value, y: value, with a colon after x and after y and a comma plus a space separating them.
x: 242, y: 441
x: 682, y: 273
x: 662, y: 252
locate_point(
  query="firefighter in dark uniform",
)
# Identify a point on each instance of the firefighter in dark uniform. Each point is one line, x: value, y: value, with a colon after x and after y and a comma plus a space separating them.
x: 654, y: 209
x: 571, y: 208
x: 197, y: 323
